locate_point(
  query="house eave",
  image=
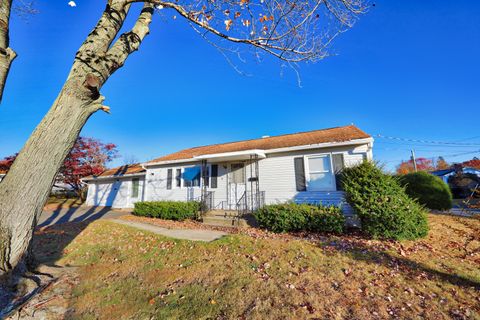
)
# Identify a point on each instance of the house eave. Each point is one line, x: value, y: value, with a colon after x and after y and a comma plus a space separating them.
x: 323, y: 145
x: 233, y: 156
x: 237, y: 155
x: 131, y: 175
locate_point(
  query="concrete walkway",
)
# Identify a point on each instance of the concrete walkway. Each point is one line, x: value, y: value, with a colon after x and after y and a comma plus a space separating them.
x: 184, y: 234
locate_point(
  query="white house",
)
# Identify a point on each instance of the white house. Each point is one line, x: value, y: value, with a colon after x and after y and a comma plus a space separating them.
x: 243, y: 175
x: 447, y: 173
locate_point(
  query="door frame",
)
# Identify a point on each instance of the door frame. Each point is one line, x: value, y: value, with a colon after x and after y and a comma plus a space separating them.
x: 230, y: 183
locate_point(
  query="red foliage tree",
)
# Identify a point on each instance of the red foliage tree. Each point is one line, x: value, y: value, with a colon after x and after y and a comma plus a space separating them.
x: 88, y: 156
x: 6, y: 163
x: 423, y: 164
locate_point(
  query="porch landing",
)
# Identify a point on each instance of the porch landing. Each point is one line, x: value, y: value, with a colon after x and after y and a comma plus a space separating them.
x: 228, y: 218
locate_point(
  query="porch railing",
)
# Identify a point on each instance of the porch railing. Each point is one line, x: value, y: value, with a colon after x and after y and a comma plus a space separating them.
x: 242, y: 205
x: 250, y: 201
x: 207, y: 201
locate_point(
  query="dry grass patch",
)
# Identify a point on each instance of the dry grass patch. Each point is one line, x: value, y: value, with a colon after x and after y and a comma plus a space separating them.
x: 126, y: 273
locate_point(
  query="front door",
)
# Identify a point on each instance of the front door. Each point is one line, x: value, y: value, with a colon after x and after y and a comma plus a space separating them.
x: 236, y: 184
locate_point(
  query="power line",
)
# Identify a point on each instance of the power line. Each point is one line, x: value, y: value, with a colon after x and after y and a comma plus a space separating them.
x: 427, y: 142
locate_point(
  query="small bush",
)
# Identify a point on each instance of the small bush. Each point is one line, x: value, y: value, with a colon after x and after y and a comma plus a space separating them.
x: 382, y: 205
x: 296, y: 217
x: 325, y: 219
x: 169, y: 210
x: 428, y: 189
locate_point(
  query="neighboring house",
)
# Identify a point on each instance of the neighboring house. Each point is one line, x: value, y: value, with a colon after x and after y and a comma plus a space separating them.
x: 447, y: 173
x: 298, y: 167
x: 57, y: 189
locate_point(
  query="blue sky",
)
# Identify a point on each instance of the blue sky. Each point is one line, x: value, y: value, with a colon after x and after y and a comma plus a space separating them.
x: 408, y: 69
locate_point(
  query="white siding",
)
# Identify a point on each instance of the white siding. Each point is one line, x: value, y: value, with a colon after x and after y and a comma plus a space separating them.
x: 156, y: 185
x: 276, y: 176
x: 116, y: 193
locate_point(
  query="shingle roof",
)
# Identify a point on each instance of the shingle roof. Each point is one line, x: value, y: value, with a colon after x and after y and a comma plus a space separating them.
x: 120, y: 171
x: 337, y: 134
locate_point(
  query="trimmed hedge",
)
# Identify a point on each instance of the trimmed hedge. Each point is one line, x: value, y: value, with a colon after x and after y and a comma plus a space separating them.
x: 169, y: 210
x: 382, y: 205
x: 297, y: 217
x: 428, y: 190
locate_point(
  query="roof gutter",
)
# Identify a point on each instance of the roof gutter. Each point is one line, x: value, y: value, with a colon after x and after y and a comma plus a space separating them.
x: 323, y: 145
x: 131, y: 175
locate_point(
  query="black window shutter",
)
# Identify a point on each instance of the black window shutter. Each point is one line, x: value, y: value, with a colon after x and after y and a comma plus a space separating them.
x: 213, y: 176
x: 169, y: 178
x: 300, y: 174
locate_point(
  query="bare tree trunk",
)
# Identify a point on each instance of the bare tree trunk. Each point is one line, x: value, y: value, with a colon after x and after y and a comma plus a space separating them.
x: 7, y: 55
x: 27, y: 185
x: 30, y: 179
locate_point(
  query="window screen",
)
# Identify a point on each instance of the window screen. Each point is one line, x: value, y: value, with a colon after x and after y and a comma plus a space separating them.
x: 169, y: 179
x: 237, y: 173
x: 320, y: 173
x: 135, y: 187
x: 178, y: 178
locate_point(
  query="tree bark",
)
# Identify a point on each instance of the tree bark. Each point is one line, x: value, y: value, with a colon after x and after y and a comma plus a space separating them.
x: 30, y: 179
x: 27, y: 185
x: 7, y: 55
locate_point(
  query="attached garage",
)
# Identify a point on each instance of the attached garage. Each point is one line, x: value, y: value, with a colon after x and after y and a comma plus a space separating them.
x: 117, y: 188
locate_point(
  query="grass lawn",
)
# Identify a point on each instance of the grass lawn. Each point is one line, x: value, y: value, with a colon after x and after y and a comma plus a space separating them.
x: 126, y: 273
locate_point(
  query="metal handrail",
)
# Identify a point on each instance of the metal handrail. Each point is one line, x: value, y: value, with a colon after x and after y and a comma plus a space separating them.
x: 242, y: 204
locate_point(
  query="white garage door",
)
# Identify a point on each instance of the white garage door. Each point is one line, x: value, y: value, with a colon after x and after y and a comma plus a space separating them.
x: 111, y: 194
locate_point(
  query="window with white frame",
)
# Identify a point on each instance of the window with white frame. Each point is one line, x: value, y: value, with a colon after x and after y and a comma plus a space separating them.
x: 320, y: 174
x: 135, y: 187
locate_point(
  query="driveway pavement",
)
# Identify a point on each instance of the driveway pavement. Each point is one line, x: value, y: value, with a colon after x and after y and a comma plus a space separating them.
x: 77, y: 214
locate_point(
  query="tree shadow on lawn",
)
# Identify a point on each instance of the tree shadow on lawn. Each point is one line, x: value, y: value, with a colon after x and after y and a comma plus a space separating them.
x: 67, y: 214
x: 370, y: 254
x: 49, y: 240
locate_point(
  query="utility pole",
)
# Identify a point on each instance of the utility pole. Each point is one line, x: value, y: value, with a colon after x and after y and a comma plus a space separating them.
x: 414, y: 161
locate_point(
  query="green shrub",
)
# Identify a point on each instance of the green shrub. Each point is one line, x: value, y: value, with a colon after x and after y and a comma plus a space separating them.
x: 296, y: 217
x: 428, y: 189
x: 169, y: 210
x: 325, y: 219
x: 382, y: 205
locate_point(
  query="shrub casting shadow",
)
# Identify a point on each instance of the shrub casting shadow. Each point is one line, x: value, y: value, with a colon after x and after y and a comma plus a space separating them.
x: 365, y: 253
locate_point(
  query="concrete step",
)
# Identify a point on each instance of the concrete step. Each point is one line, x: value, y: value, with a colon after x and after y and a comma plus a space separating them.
x: 223, y: 221
x: 222, y: 213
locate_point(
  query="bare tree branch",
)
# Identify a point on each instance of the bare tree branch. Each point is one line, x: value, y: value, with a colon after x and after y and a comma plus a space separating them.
x: 130, y: 41
x: 107, y: 28
x: 7, y: 55
x: 293, y: 31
